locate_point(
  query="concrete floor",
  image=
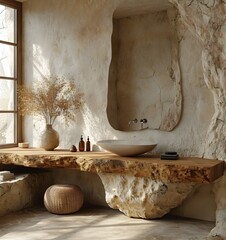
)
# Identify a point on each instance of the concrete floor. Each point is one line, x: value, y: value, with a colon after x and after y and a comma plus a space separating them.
x: 97, y: 224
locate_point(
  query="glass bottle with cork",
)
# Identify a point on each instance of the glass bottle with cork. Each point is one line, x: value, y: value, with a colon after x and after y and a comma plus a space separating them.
x: 81, y: 145
x: 88, y: 145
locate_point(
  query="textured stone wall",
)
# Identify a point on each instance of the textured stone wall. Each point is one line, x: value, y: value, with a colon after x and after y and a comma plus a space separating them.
x: 220, y: 197
x: 207, y: 21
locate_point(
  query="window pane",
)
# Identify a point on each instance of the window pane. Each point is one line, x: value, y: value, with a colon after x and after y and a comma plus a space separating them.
x: 7, y: 19
x: 7, y: 60
x: 7, y: 128
x: 7, y: 95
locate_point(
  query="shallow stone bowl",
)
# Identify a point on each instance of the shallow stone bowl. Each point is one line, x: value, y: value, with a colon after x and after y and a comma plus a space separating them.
x: 126, y: 148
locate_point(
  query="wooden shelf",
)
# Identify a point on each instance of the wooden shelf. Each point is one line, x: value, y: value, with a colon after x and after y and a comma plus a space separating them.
x: 187, y: 169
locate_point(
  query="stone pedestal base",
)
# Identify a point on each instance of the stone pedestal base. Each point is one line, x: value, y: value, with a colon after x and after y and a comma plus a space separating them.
x: 142, y: 197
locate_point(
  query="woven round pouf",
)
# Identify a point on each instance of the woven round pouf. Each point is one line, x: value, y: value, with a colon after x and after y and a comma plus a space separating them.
x: 63, y: 199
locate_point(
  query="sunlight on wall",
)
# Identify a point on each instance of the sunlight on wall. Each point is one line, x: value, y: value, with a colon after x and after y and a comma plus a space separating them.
x: 94, y: 128
x: 87, y: 123
x: 40, y: 64
x: 40, y: 69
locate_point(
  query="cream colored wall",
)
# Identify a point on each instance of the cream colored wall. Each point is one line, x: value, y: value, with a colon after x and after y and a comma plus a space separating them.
x: 73, y: 38
x: 200, y: 205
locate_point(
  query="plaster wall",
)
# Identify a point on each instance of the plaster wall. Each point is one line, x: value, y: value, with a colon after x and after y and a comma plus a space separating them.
x: 73, y: 38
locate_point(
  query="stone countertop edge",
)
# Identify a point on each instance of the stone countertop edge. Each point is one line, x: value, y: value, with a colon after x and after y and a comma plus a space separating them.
x: 198, y: 170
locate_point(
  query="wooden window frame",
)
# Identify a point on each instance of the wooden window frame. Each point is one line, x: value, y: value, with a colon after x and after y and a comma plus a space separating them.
x: 18, y: 67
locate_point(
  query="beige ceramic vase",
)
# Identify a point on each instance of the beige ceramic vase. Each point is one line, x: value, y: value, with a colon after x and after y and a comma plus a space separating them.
x: 49, y: 138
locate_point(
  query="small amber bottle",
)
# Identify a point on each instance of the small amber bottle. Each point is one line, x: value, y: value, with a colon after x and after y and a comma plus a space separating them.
x: 88, y: 145
x: 81, y: 145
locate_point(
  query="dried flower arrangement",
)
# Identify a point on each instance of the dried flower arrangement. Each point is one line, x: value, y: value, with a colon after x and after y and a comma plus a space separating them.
x: 52, y: 97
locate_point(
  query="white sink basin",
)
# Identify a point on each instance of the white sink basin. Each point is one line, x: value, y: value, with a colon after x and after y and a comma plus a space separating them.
x: 126, y: 148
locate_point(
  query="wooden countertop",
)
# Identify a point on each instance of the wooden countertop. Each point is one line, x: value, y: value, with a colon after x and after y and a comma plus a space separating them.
x: 187, y: 169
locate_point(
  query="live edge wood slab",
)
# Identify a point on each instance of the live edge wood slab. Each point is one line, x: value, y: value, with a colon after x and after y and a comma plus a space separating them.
x: 187, y: 169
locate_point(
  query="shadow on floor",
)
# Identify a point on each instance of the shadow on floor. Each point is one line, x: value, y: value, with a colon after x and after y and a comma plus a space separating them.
x: 97, y: 223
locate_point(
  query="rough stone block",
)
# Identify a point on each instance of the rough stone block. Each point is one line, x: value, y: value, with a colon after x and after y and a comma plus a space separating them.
x: 25, y: 191
x: 142, y: 197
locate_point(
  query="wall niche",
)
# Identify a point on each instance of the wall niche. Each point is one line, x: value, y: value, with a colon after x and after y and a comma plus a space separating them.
x: 144, y: 74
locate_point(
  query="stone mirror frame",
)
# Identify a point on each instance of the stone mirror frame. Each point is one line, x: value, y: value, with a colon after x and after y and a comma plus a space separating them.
x: 144, y: 75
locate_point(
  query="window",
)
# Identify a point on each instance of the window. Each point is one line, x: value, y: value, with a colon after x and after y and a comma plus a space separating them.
x: 10, y: 71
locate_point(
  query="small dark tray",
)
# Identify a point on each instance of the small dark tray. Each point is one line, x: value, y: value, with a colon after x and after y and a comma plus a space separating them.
x: 171, y: 153
x: 170, y: 156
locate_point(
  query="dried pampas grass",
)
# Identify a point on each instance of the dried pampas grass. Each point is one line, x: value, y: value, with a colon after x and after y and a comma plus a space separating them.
x: 52, y: 97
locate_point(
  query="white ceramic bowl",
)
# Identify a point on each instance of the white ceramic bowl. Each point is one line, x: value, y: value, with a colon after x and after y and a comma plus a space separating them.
x: 126, y: 148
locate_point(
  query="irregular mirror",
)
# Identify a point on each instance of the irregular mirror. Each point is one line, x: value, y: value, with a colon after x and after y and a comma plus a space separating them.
x: 144, y: 75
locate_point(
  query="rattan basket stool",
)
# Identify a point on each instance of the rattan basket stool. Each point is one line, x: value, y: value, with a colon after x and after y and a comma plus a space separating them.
x: 63, y: 199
